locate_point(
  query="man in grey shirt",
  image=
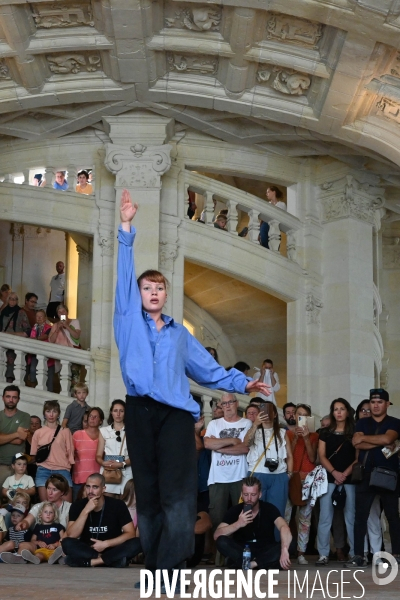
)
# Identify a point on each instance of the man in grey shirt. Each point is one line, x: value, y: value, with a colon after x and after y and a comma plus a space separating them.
x: 14, y: 428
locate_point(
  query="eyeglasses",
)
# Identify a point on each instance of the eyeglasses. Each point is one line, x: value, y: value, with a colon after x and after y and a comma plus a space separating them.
x: 365, y: 411
x: 13, y: 299
x: 228, y: 403
x: 118, y: 436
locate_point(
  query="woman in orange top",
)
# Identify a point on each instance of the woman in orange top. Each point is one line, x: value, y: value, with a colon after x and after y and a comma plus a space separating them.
x: 304, y: 449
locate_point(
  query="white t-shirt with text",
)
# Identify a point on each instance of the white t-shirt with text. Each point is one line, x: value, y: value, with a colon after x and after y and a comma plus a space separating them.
x: 226, y: 468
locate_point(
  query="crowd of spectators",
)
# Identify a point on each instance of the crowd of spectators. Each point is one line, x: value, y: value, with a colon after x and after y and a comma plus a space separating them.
x: 246, y: 465
x: 83, y: 185
x: 52, y: 325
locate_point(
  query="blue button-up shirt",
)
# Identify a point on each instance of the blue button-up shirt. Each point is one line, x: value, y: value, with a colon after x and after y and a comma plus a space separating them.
x: 158, y: 363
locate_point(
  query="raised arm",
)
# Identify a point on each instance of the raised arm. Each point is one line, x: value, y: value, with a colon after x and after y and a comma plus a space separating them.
x: 127, y: 297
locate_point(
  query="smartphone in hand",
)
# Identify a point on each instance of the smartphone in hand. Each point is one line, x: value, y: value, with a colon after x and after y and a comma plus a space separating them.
x: 247, y: 507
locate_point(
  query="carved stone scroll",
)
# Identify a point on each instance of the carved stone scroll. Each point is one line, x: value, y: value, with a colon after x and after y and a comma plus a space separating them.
x: 204, y: 18
x: 290, y: 29
x: 68, y: 63
x: 201, y: 65
x: 286, y: 81
x: 48, y: 16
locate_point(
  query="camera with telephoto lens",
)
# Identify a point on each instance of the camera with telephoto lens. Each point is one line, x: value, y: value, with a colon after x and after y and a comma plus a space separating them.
x: 271, y: 464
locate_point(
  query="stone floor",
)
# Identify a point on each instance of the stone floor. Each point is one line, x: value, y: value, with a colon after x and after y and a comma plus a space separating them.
x: 56, y: 582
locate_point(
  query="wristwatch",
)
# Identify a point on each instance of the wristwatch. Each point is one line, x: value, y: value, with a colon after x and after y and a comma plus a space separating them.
x: 124, y: 465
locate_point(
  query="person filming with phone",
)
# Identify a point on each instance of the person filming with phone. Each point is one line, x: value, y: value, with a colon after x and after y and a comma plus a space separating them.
x: 270, y: 456
x: 253, y: 524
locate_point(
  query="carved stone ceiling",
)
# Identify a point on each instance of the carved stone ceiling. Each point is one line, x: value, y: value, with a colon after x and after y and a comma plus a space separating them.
x: 305, y: 78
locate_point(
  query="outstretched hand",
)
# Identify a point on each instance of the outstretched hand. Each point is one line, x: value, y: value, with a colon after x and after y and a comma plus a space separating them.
x: 127, y: 209
x: 258, y: 386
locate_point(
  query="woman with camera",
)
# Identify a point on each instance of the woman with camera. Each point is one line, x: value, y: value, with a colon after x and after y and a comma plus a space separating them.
x: 270, y: 456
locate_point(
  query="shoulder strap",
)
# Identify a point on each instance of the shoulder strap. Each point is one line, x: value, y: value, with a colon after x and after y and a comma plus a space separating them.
x: 263, y: 453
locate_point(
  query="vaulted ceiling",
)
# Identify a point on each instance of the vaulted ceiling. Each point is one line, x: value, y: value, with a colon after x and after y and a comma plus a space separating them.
x: 305, y: 78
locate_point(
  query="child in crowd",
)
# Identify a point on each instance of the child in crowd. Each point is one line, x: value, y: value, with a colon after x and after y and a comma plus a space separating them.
x: 75, y: 411
x: 47, y: 535
x: 13, y: 537
x: 20, y: 480
x: 129, y: 497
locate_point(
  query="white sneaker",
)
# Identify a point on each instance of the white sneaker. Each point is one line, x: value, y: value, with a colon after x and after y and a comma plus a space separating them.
x: 301, y: 560
x: 322, y: 561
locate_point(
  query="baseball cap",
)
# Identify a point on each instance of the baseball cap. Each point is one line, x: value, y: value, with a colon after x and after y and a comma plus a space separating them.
x: 16, y: 508
x: 19, y: 455
x: 381, y: 393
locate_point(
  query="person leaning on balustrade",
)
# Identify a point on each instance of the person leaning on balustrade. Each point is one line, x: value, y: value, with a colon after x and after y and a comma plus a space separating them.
x: 14, y: 321
x: 274, y: 196
x: 66, y: 332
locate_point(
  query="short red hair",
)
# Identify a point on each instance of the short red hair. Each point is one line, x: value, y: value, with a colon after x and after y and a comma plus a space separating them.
x: 154, y: 276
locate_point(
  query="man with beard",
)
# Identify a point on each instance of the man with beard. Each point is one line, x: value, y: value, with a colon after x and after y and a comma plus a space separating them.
x: 254, y: 527
x: 289, y: 411
x: 104, y: 527
x: 14, y: 429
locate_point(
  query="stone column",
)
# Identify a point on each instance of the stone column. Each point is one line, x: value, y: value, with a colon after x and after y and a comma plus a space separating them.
x: 138, y: 157
x: 349, y: 213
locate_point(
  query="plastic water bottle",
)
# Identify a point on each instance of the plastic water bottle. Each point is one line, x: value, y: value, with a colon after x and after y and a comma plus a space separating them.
x: 246, y: 558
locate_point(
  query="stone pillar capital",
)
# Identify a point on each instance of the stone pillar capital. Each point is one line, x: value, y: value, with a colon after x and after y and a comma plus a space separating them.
x: 350, y: 196
x: 138, y: 166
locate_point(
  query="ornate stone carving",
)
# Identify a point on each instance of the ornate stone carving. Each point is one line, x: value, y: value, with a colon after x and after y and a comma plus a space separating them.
x: 48, y: 15
x: 391, y: 255
x: 106, y: 240
x: 313, y: 309
x: 67, y: 63
x: 138, y: 166
x: 290, y: 29
x: 389, y: 108
x: 201, y: 64
x: 286, y: 81
x: 196, y: 19
x: 84, y: 255
x: 168, y: 254
x: 4, y: 71
x: 348, y: 197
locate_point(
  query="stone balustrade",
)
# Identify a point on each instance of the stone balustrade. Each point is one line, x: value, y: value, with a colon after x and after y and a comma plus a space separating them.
x: 238, y: 201
x: 43, y: 351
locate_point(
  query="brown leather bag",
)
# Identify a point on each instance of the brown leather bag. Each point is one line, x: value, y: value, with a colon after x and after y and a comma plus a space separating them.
x: 112, y: 476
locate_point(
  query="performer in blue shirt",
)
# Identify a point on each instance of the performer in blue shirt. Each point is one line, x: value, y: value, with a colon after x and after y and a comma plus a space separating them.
x: 157, y: 356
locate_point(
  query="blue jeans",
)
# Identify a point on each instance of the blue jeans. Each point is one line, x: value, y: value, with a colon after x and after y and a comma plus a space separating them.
x: 326, y: 516
x: 275, y: 489
x: 42, y: 475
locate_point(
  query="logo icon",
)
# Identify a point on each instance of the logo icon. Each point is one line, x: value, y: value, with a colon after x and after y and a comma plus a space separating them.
x: 384, y: 568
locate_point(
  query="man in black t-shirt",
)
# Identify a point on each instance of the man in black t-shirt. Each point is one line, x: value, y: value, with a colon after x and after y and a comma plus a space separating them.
x: 104, y: 528
x: 372, y: 435
x: 254, y: 528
